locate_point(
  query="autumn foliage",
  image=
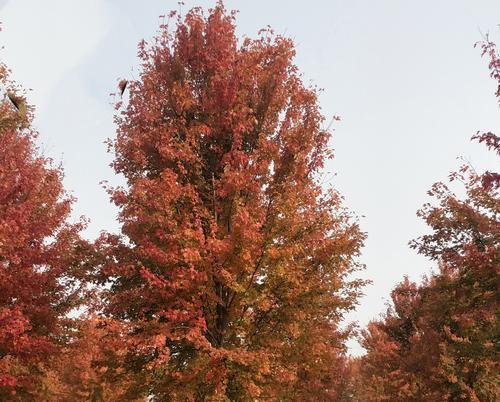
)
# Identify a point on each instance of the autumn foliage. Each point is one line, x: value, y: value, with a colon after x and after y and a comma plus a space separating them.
x: 231, y: 272
x: 39, y: 255
x: 234, y: 265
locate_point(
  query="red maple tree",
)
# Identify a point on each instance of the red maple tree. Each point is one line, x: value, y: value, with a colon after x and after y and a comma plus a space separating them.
x: 232, y: 269
x: 39, y: 273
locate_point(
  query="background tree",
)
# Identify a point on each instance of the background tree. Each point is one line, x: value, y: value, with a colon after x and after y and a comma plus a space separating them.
x: 39, y: 253
x: 231, y: 271
x: 90, y: 365
x: 440, y: 340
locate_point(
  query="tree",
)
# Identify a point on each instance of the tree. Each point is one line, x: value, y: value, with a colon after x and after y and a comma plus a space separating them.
x: 39, y: 270
x: 438, y: 341
x: 402, y: 353
x: 89, y: 367
x: 232, y: 268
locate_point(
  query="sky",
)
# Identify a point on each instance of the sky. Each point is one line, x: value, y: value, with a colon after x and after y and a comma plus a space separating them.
x: 403, y: 76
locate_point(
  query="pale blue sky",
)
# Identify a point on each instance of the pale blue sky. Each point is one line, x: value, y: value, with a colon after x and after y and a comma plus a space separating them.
x: 403, y: 75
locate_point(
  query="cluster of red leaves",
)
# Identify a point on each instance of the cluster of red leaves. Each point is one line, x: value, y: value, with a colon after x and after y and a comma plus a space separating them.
x: 439, y: 341
x: 90, y: 365
x: 489, y: 49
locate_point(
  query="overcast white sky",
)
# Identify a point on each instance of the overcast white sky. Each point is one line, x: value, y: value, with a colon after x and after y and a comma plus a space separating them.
x: 403, y: 75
